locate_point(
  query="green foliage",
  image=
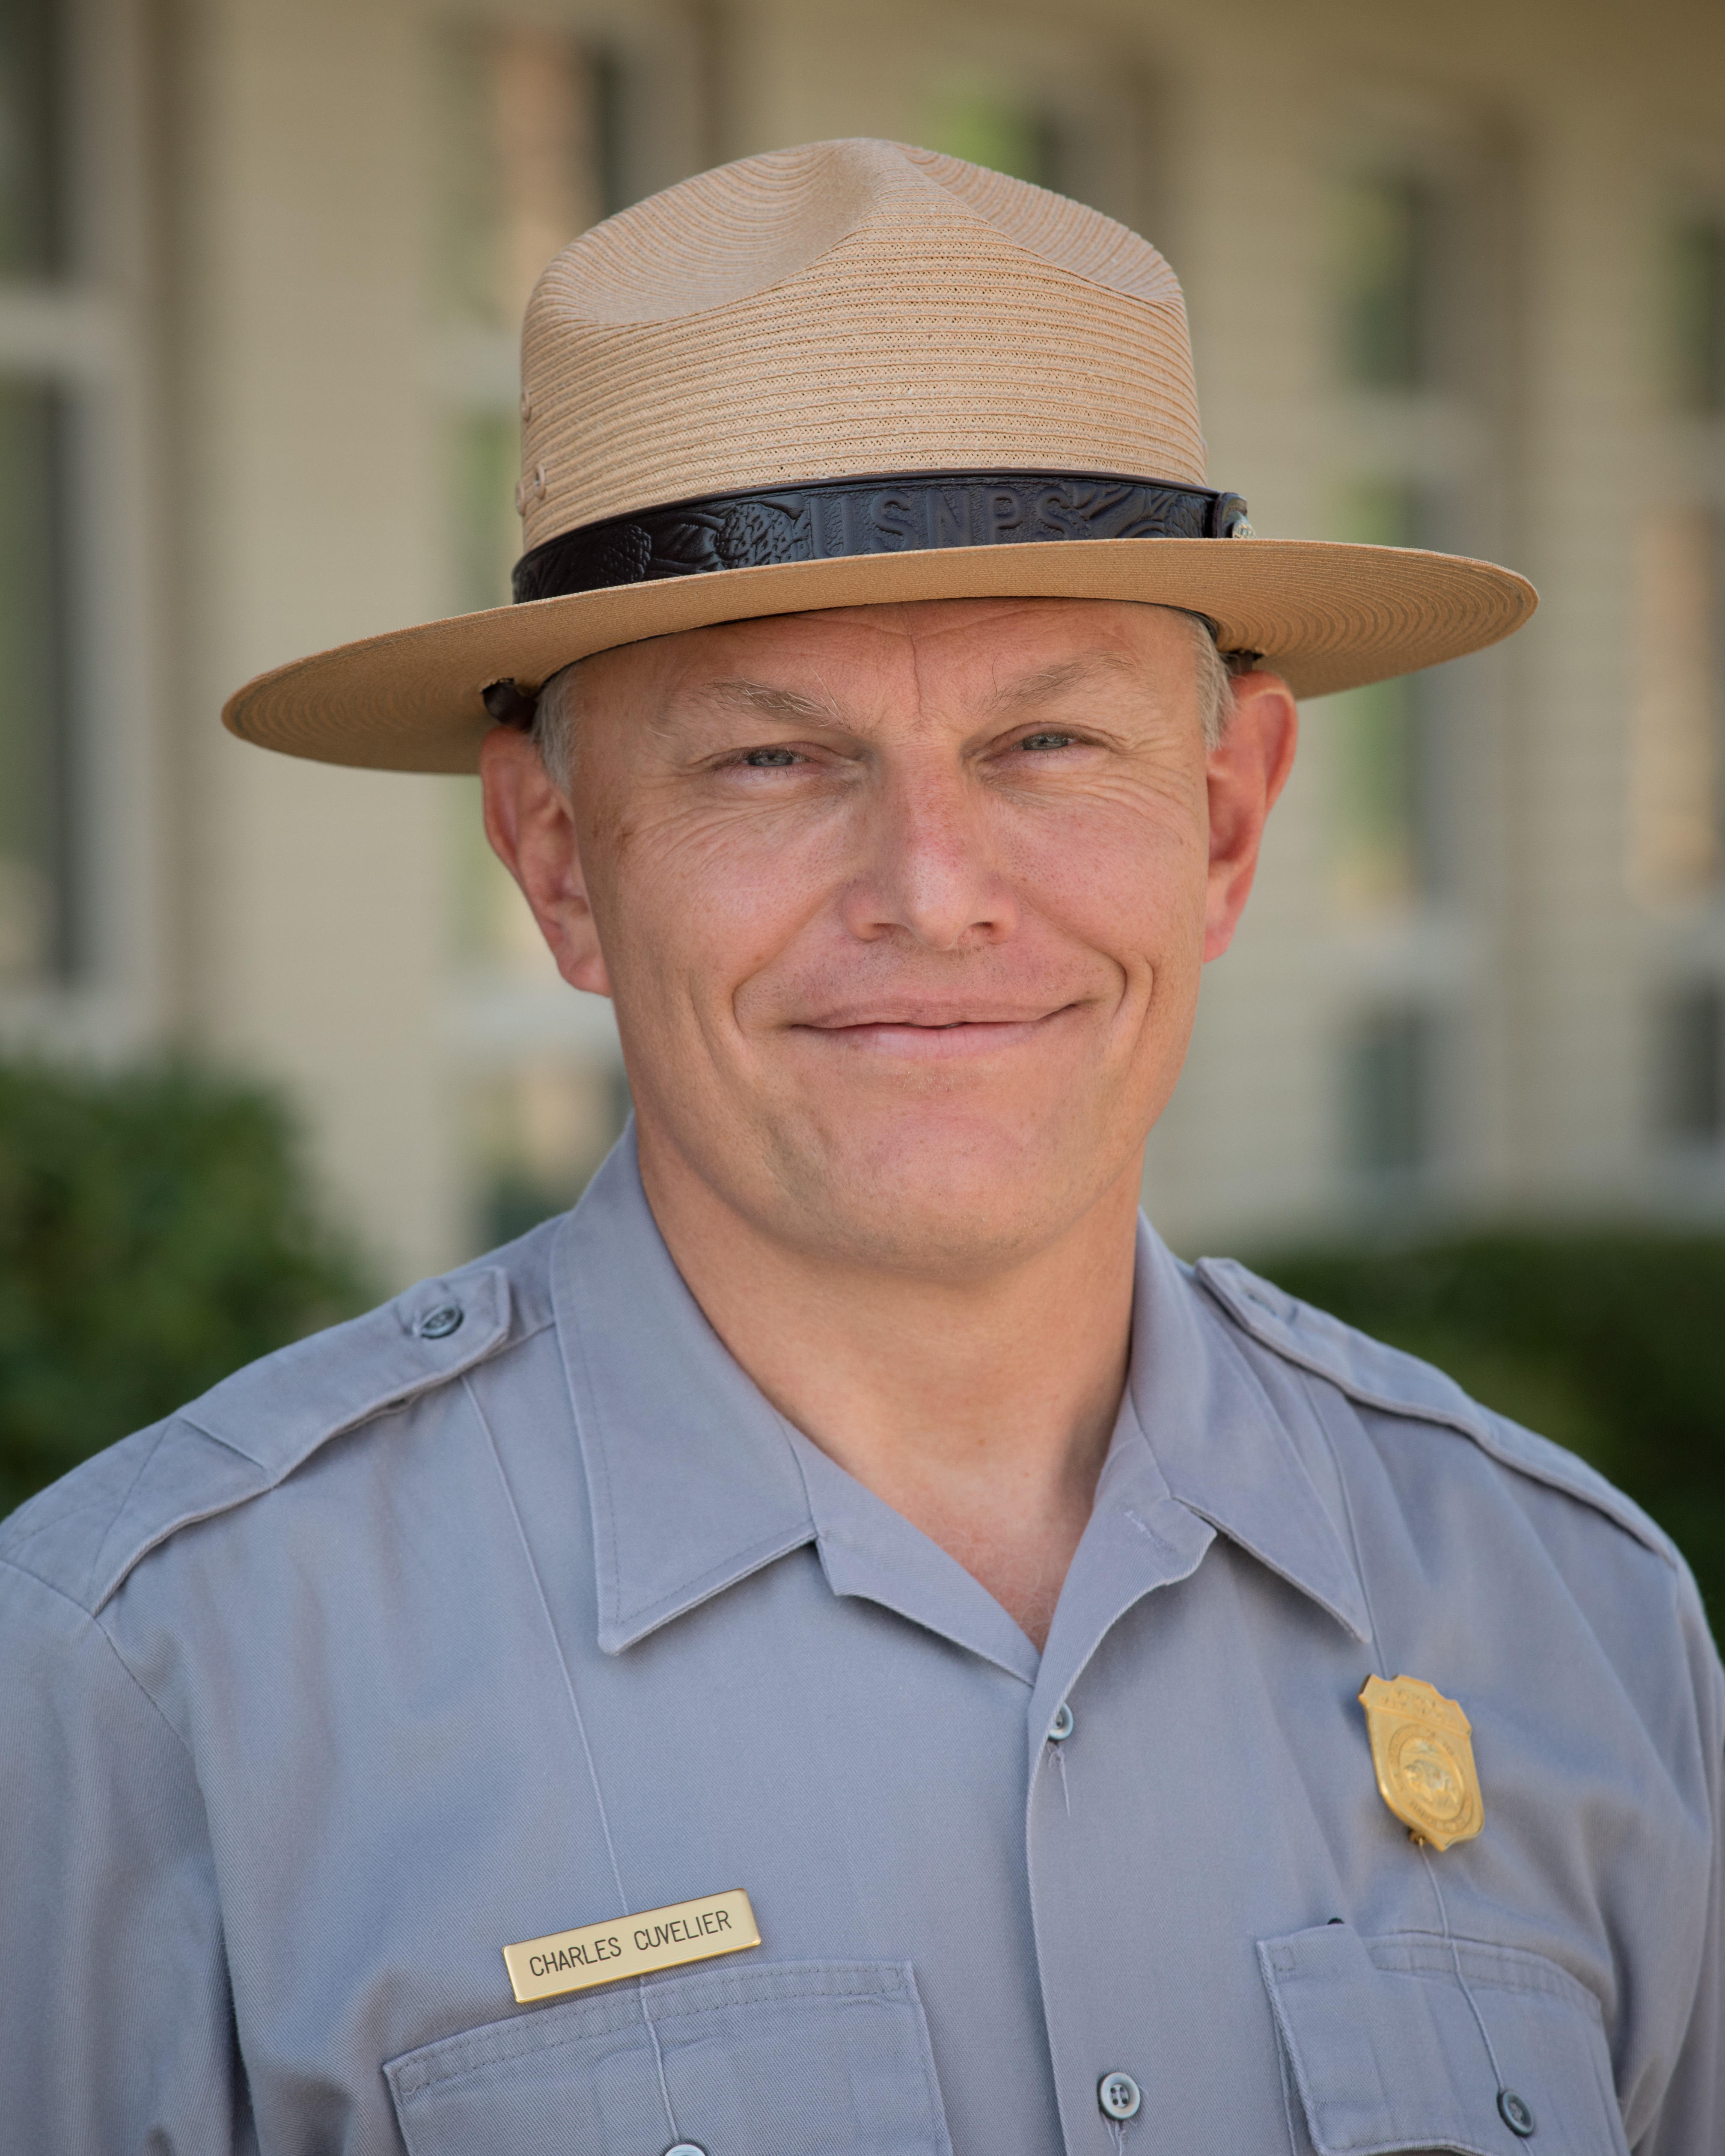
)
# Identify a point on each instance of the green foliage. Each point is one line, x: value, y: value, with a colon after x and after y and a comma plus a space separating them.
x: 1610, y: 1341
x: 156, y: 1233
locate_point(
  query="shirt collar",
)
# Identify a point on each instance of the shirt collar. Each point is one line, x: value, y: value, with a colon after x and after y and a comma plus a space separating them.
x: 692, y: 1478
x: 697, y: 1480
x: 1226, y: 1452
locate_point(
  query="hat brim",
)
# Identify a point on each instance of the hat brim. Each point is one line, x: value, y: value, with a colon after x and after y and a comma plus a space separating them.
x: 1326, y: 615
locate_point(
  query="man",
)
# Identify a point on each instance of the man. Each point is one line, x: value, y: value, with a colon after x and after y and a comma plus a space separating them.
x: 842, y: 1642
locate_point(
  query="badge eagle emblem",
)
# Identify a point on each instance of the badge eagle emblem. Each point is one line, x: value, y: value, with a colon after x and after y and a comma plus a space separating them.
x: 1422, y: 1752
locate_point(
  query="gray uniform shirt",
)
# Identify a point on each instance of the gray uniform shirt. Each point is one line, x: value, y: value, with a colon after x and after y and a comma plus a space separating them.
x: 426, y: 1637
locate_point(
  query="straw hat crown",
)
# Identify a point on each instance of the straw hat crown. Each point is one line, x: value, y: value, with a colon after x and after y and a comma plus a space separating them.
x: 861, y: 374
x: 847, y: 307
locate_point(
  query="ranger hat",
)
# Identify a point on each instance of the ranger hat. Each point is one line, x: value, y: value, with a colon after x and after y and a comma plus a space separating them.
x: 858, y: 373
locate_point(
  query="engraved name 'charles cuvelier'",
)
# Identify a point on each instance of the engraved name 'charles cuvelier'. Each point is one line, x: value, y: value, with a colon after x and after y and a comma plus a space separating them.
x: 631, y: 1946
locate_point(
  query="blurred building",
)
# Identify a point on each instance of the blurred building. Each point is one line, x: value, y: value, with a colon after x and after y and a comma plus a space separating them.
x: 1457, y: 276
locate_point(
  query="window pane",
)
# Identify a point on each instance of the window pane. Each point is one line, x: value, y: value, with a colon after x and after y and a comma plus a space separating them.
x: 1384, y: 746
x: 1388, y: 1093
x: 1007, y: 133
x: 1692, y: 1060
x: 35, y: 927
x: 1677, y: 770
x: 1698, y: 314
x: 528, y: 141
x: 1386, y: 310
x: 30, y: 208
x: 484, y: 455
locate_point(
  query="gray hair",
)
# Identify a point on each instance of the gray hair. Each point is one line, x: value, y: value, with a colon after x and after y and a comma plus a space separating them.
x: 553, y: 732
x: 553, y: 729
x: 1217, y: 673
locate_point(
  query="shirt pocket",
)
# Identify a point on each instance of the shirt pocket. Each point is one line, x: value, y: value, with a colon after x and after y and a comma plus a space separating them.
x: 773, y: 2060
x: 1385, y: 2053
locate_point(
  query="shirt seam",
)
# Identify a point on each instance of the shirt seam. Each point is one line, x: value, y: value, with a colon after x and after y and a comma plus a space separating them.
x: 94, y: 1505
x: 96, y: 1624
x: 1469, y: 1419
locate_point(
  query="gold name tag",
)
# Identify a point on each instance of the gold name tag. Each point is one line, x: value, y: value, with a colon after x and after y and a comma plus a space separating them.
x: 631, y: 1946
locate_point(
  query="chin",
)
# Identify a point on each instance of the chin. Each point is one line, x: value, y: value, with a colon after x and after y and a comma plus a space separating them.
x: 949, y: 1197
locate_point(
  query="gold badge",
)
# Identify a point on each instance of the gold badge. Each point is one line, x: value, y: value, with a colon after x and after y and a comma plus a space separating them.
x: 631, y: 1946
x: 1424, y: 1757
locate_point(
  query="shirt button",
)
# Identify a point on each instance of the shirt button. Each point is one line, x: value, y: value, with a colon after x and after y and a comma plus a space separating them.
x: 1516, y: 2112
x: 1119, y: 2095
x: 686, y: 2148
x: 439, y: 1323
x: 1060, y: 1728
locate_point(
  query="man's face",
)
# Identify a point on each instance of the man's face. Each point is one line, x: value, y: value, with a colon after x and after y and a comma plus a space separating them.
x: 903, y: 909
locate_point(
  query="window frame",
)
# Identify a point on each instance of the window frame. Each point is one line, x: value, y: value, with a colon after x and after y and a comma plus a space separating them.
x: 91, y: 331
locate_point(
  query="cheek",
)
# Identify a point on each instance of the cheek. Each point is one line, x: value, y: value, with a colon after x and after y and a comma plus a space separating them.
x: 1131, y: 883
x: 691, y: 909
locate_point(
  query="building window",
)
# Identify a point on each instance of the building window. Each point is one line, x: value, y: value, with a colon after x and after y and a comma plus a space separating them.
x: 524, y: 124
x: 1389, y: 1094
x: 1692, y: 1065
x: 1007, y: 132
x: 37, y: 916
x: 1387, y: 317
x: 40, y: 942
x: 1416, y: 299
x: 531, y: 133
x: 1387, y: 741
x: 32, y: 134
x: 1697, y: 288
x: 1059, y: 111
x: 526, y: 129
x: 1677, y: 808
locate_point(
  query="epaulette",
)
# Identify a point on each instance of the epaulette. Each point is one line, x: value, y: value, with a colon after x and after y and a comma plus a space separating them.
x: 85, y: 1533
x: 1384, y: 1378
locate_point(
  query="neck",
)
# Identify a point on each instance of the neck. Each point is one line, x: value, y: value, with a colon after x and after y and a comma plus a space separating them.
x: 981, y: 1409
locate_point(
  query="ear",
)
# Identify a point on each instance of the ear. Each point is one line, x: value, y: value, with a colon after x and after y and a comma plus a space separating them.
x: 1246, y: 773
x: 532, y: 829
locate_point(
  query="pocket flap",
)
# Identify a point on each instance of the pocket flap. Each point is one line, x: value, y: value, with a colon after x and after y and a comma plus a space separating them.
x: 1386, y: 2054
x: 772, y: 2060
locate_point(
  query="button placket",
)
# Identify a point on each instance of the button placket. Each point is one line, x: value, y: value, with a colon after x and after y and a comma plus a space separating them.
x: 1139, y: 1541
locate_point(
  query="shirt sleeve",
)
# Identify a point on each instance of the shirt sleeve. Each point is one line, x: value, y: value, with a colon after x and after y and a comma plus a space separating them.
x: 1690, y: 2118
x: 117, y: 2027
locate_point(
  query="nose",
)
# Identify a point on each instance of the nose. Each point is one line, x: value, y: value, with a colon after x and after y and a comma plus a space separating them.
x: 931, y: 872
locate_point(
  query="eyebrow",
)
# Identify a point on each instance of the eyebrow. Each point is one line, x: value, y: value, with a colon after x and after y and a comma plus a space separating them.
x: 771, y: 702
x: 1049, y: 681
x: 1029, y: 690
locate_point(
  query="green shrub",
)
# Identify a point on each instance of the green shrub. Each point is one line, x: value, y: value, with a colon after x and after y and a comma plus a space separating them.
x: 1611, y: 1341
x: 156, y: 1233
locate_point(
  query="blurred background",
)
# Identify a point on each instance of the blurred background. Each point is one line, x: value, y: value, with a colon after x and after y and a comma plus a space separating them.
x: 1456, y: 277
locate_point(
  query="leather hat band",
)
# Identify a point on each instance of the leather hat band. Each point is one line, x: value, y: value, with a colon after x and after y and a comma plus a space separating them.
x: 891, y: 514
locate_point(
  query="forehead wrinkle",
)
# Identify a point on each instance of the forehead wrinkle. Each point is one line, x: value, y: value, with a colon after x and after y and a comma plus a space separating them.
x: 770, y: 700
x: 1063, y: 674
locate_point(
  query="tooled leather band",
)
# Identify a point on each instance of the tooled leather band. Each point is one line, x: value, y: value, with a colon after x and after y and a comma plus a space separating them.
x: 890, y: 513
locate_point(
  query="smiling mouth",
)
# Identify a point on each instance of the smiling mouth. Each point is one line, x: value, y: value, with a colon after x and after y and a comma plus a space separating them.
x: 926, y: 1035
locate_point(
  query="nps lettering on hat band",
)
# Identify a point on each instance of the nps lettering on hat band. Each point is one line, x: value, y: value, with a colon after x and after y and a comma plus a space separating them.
x: 886, y: 514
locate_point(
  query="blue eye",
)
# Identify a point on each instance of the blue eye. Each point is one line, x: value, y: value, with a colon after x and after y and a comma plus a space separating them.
x: 1047, y: 741
x: 770, y: 759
